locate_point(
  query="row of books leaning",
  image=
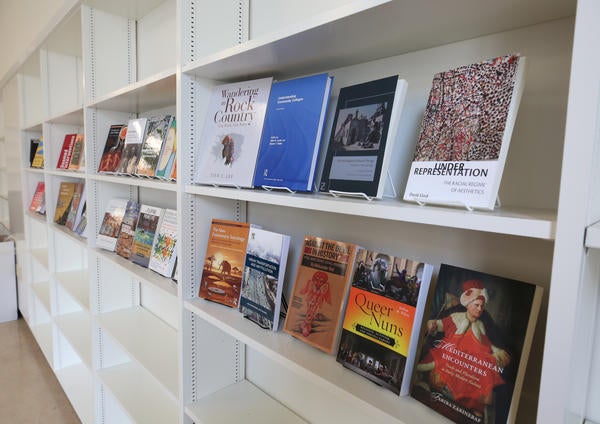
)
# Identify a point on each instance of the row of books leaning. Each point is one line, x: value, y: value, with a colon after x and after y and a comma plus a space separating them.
x: 71, y: 205
x: 71, y: 157
x: 459, y: 343
x: 266, y: 133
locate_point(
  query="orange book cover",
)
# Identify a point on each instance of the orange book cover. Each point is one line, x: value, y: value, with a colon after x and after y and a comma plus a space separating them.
x: 320, y: 290
x: 225, y: 255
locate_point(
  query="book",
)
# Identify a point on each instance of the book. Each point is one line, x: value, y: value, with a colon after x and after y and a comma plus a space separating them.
x: 82, y: 225
x: 320, y: 291
x: 38, y: 158
x: 168, y: 154
x: 465, y: 133
x: 33, y: 144
x: 476, y: 342
x: 111, y: 224
x: 132, y: 148
x: 221, y: 279
x: 37, y: 204
x: 174, y: 170
x: 113, y: 148
x: 291, y: 136
x: 77, y: 161
x: 66, y: 192
x: 145, y: 232
x: 362, y: 137
x: 157, y: 129
x: 262, y: 280
x: 231, y: 135
x: 76, y: 206
x: 380, y: 330
x: 164, y: 253
x: 127, y: 231
x: 66, y: 151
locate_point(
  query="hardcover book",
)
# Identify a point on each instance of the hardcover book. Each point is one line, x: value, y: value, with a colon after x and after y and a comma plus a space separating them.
x: 63, y: 202
x: 231, y: 135
x: 115, y: 141
x: 168, y: 153
x: 76, y: 206
x: 38, y: 158
x: 164, y: 253
x: 320, y: 291
x: 77, y: 161
x: 291, y: 135
x: 362, y: 137
x: 157, y: 129
x: 262, y: 280
x: 380, y: 331
x: 66, y: 151
x: 465, y: 134
x: 33, y: 144
x: 127, y: 231
x: 132, y: 148
x: 81, y: 226
x: 111, y: 224
x: 145, y: 232
x: 38, y: 200
x: 225, y: 253
x: 477, y: 338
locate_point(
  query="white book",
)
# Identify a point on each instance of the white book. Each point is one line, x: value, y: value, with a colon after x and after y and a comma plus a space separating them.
x: 132, y: 149
x: 164, y: 248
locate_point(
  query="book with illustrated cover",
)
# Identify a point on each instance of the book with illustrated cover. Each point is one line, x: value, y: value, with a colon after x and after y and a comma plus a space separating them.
x: 291, y: 135
x: 157, y: 129
x: 320, y: 290
x: 174, y: 170
x: 82, y: 225
x: 474, y: 351
x: 111, y: 224
x: 77, y: 161
x: 127, y: 231
x: 38, y: 158
x: 76, y: 206
x: 231, y: 135
x: 66, y: 151
x: 33, y: 144
x: 164, y: 253
x: 380, y: 331
x: 132, y: 148
x: 63, y: 202
x: 363, y: 136
x: 145, y: 232
x: 262, y: 280
x: 465, y: 134
x: 224, y: 262
x: 38, y: 201
x: 113, y: 148
x: 168, y: 153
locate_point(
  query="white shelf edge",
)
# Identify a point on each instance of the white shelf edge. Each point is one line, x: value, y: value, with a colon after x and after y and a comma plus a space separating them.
x: 36, y: 217
x: 76, y: 284
x: 135, y: 181
x: 40, y: 254
x: 73, y: 116
x: 76, y: 381
x: 72, y: 235
x: 43, y: 336
x: 519, y: 222
x: 65, y: 173
x: 35, y: 126
x: 76, y: 327
x: 592, y: 236
x: 42, y: 292
x: 33, y: 170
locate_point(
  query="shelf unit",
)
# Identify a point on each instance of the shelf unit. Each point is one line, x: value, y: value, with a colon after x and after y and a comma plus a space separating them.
x: 131, y: 346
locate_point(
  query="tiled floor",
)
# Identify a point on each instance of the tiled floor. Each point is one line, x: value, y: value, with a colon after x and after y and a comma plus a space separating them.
x: 29, y: 391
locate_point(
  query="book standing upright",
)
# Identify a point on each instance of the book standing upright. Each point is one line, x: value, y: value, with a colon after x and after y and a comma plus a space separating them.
x: 169, y: 153
x: 145, y: 232
x: 63, y: 202
x: 127, y: 231
x: 111, y: 224
x: 132, y: 148
x: 113, y: 148
x: 157, y: 129
x: 164, y: 249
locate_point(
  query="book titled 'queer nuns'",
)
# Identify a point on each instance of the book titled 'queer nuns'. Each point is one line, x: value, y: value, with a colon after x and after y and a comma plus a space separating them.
x: 465, y: 134
x: 291, y: 135
x: 232, y: 130
x: 362, y: 137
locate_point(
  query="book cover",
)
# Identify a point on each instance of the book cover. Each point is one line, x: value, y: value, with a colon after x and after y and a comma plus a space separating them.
x: 145, y: 232
x: 77, y: 161
x: 157, y: 129
x: 113, y: 148
x: 168, y: 153
x: 127, y: 231
x: 476, y: 342
x: 320, y: 291
x: 174, y: 170
x: 132, y: 148
x: 231, y: 135
x: 380, y: 331
x: 33, y: 144
x: 465, y: 134
x: 111, y: 224
x: 82, y: 225
x: 38, y: 199
x: 164, y: 253
x: 291, y: 136
x: 362, y: 137
x: 63, y: 202
x: 38, y: 158
x: 225, y: 254
x: 66, y: 151
x: 262, y: 280
x: 76, y: 206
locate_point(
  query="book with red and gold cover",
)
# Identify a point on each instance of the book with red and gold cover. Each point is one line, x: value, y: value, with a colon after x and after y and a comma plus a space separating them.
x: 38, y: 200
x: 225, y: 254
x: 66, y: 151
x: 63, y: 202
x: 320, y: 291
x: 383, y: 315
x: 77, y: 162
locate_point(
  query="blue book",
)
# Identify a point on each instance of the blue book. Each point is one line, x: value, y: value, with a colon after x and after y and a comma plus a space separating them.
x: 292, y: 131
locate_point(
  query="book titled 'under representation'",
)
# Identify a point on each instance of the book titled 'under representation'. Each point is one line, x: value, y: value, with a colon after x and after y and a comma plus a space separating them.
x: 291, y: 135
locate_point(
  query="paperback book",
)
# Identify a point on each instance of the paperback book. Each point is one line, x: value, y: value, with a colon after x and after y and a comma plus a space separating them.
x: 380, y: 331
x: 38, y: 201
x: 362, y: 137
x: 157, y: 129
x: 82, y: 225
x: 262, y: 281
x: 132, y: 148
x: 66, y: 151
x: 113, y: 148
x: 231, y: 135
x: 320, y: 291
x: 77, y: 161
x: 145, y: 232
x: 111, y: 224
x: 477, y: 337
x: 291, y: 135
x: 164, y: 249
x: 38, y: 157
x: 127, y: 231
x: 63, y: 202
x: 168, y: 153
x: 225, y: 254
x: 33, y: 144
x: 76, y: 206
x: 465, y: 134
